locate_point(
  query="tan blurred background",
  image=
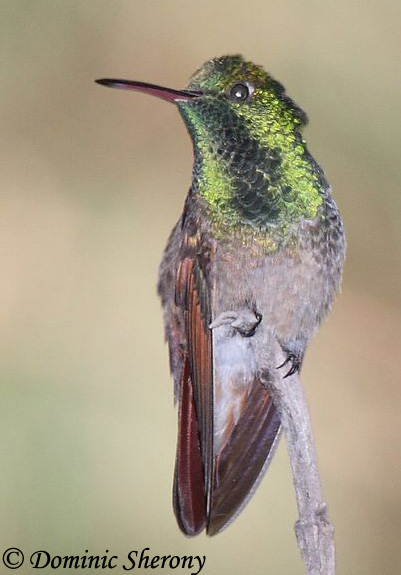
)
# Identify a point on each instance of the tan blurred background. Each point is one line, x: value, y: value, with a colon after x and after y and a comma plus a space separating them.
x: 92, y: 180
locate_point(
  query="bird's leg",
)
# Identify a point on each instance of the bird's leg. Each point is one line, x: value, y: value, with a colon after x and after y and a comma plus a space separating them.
x: 244, y: 322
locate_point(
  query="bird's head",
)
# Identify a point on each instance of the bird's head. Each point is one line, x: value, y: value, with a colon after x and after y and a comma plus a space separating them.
x: 251, y: 163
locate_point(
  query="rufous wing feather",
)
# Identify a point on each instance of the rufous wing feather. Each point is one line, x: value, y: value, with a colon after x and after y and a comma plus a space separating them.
x: 189, y: 499
x: 194, y: 461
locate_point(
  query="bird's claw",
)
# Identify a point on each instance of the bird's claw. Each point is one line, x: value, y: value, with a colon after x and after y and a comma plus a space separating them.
x: 245, y: 322
x: 295, y: 364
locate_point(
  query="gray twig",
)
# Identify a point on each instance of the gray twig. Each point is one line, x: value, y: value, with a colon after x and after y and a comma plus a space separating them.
x: 314, y: 530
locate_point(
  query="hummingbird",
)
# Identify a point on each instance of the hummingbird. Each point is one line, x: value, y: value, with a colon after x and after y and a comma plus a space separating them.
x: 255, y: 260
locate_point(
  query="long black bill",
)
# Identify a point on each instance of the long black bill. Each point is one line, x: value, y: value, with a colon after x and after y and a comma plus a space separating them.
x: 167, y: 94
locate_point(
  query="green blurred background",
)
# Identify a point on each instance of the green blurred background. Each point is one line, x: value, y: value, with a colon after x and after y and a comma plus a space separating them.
x: 92, y: 180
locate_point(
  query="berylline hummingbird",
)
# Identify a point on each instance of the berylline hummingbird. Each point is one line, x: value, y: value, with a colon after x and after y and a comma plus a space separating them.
x: 256, y: 258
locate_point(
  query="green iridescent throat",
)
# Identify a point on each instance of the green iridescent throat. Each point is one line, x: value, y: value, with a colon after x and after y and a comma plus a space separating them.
x: 250, y: 174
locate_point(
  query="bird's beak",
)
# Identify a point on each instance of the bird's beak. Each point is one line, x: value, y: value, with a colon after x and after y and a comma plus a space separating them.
x: 167, y: 94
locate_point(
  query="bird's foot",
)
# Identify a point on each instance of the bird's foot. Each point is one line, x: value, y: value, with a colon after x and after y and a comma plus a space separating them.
x: 295, y: 361
x: 245, y: 321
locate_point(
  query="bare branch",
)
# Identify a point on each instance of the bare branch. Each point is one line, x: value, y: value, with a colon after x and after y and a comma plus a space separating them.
x: 314, y: 530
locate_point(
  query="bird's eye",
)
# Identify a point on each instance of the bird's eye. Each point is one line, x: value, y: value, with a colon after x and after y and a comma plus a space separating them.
x: 240, y: 92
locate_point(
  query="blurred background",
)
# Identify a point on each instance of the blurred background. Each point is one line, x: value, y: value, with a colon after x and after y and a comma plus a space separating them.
x: 92, y: 181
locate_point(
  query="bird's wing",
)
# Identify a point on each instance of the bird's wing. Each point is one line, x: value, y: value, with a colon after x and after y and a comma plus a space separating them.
x: 194, y: 461
x: 210, y: 487
x: 244, y: 458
